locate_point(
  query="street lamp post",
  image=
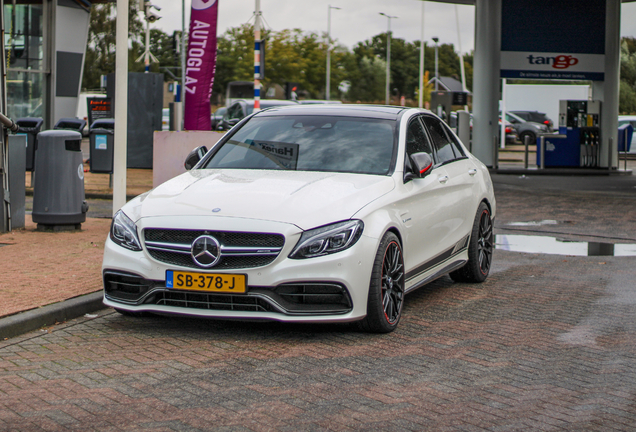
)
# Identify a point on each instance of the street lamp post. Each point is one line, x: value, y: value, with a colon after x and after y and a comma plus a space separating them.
x: 388, y: 54
x: 121, y: 106
x: 436, y: 39
x: 257, y: 56
x: 328, y: 87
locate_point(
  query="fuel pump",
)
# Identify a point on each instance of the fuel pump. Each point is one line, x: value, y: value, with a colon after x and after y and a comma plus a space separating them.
x: 580, y: 120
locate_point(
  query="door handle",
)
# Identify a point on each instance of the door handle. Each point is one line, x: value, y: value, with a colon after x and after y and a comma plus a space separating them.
x: 472, y: 171
x: 443, y: 179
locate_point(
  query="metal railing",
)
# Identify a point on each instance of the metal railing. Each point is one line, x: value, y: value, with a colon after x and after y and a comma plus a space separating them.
x: 10, y: 124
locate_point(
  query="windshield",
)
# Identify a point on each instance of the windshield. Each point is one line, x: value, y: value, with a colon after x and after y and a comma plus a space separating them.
x: 309, y: 143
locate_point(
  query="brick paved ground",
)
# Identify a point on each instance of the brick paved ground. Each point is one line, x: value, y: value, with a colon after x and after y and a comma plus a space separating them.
x: 547, y: 343
x: 40, y: 268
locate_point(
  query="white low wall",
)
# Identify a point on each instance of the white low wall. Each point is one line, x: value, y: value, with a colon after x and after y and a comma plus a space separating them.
x: 170, y: 150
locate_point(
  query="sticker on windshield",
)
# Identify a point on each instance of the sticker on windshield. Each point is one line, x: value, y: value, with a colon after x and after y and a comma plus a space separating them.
x: 283, y: 154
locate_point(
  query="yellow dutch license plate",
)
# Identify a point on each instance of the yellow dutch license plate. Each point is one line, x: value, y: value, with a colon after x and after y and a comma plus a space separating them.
x: 208, y: 282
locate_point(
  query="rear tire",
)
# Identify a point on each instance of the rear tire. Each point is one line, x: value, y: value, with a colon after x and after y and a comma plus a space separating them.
x: 533, y: 138
x: 386, y: 288
x: 480, y: 249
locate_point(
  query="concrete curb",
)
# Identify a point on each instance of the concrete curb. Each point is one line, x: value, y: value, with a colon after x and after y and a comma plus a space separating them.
x: 569, y: 172
x: 34, y: 319
x: 91, y: 195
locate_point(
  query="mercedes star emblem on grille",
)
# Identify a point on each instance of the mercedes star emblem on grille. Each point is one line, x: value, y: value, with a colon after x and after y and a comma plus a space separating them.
x: 206, y: 251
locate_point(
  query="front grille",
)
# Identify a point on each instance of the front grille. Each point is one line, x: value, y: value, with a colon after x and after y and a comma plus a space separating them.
x: 212, y: 301
x: 224, y: 237
x: 240, y: 250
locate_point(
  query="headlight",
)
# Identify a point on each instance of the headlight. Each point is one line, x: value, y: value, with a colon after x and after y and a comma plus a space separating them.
x: 328, y: 239
x: 124, y: 232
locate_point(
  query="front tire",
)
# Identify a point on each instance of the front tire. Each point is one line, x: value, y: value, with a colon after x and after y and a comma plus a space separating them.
x: 480, y: 249
x: 386, y: 288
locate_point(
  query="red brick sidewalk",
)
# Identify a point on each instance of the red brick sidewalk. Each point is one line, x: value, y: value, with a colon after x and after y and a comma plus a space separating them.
x: 40, y: 268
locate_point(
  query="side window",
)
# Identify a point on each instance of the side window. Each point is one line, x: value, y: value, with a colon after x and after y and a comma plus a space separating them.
x: 457, y: 148
x: 416, y: 139
x: 441, y: 142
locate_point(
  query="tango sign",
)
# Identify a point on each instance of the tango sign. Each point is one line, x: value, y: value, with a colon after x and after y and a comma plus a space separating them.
x: 554, y: 40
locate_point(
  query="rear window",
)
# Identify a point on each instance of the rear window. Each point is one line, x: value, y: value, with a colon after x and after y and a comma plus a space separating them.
x: 310, y: 143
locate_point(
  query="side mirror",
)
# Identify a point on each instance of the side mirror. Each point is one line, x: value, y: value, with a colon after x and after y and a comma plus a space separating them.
x: 194, y: 157
x: 422, y: 164
x: 233, y: 122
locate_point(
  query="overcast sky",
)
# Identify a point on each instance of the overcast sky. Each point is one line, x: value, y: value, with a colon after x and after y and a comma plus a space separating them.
x: 358, y: 20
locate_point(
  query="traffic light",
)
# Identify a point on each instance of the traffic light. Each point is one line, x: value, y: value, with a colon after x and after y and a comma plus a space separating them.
x: 290, y: 90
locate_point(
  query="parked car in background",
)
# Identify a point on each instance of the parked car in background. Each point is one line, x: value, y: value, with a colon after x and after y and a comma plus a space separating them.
x: 242, y: 108
x: 629, y: 119
x: 536, y: 117
x: 307, y: 214
x: 512, y: 137
x: 527, y: 128
x: 216, y: 117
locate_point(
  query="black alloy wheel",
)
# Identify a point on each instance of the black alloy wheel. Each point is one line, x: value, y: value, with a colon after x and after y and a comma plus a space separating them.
x: 392, y: 282
x: 480, y: 249
x: 485, y: 243
x: 386, y: 289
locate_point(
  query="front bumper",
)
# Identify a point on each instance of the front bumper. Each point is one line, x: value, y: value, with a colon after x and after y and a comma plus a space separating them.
x: 331, y: 288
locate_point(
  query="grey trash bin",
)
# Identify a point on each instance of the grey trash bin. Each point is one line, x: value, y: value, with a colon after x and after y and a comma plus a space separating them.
x: 70, y: 123
x: 58, y: 191
x: 30, y: 126
x: 102, y: 143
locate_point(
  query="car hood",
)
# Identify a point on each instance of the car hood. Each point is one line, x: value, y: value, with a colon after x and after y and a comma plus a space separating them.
x: 305, y: 199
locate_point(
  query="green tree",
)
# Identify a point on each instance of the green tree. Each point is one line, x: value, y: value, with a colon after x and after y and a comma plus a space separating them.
x: 162, y: 47
x: 234, y: 58
x: 100, y: 50
x: 627, y: 95
x: 370, y: 87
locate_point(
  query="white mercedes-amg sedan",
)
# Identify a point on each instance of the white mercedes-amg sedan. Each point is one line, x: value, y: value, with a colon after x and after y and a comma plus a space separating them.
x: 307, y: 213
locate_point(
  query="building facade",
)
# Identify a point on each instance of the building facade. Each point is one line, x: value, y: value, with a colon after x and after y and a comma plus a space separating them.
x: 45, y: 45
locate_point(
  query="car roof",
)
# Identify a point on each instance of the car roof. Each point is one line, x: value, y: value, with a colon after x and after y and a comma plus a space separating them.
x: 319, y: 101
x: 269, y: 102
x: 344, y: 110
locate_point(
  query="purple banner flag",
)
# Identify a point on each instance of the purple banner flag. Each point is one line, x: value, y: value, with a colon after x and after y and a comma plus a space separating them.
x: 200, y: 64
